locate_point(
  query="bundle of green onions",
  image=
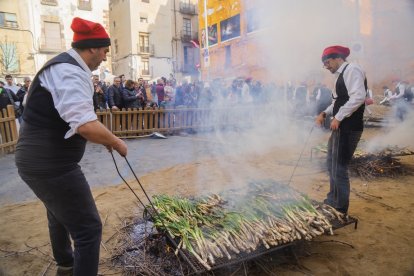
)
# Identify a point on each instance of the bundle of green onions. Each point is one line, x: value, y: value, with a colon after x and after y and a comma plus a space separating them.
x: 268, y: 214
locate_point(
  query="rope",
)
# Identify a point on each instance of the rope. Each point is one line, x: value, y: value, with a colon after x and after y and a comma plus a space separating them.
x: 300, y: 156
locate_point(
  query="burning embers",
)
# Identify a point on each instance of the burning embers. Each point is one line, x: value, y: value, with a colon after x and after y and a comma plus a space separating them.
x: 385, y: 163
x: 225, y: 226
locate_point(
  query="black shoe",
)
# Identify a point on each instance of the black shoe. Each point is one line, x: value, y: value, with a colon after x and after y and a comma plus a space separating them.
x: 64, y: 271
x: 328, y: 202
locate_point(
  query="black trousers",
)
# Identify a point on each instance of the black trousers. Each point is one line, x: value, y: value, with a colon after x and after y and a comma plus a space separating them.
x: 71, y: 212
x: 341, y: 148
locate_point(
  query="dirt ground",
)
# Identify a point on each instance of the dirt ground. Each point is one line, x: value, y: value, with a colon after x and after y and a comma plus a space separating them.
x: 383, y: 244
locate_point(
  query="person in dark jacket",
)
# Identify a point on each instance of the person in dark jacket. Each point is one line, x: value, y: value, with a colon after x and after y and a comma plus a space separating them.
x: 160, y: 91
x: 347, y: 109
x: 5, y: 95
x: 129, y: 95
x: 115, y: 101
x: 58, y: 120
x: 99, y: 95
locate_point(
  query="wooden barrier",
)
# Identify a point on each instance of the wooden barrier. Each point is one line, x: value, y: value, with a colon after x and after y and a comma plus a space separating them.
x: 8, y: 130
x: 133, y: 123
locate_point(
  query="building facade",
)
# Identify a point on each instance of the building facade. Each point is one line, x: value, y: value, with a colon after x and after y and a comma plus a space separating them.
x: 152, y: 38
x: 37, y: 30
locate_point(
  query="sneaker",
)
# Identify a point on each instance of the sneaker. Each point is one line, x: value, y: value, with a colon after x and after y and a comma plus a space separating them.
x: 64, y: 271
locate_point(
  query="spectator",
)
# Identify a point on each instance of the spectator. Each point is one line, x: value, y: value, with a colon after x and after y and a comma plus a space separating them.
x: 301, y: 99
x: 148, y: 93
x: 22, y: 93
x: 10, y: 84
x: 99, y: 95
x: 160, y: 91
x: 323, y: 98
x: 123, y: 79
x: 115, y: 101
x: 397, y: 99
x: 7, y: 97
x: 245, y: 91
x: 129, y: 95
x: 387, y: 95
x: 140, y: 88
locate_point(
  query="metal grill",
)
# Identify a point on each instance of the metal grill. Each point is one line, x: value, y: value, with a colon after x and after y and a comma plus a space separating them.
x: 198, y: 268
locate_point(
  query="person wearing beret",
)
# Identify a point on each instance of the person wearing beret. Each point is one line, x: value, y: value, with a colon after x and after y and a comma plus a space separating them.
x: 347, y: 111
x: 58, y: 120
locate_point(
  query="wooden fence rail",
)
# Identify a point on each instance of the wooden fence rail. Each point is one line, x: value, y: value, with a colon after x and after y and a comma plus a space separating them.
x: 133, y: 123
x: 8, y: 130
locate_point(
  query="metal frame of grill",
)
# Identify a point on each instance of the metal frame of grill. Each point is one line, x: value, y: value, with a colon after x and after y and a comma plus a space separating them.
x: 198, y: 268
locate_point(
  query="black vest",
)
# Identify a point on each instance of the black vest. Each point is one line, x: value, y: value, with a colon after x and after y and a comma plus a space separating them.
x: 42, y: 148
x: 355, y: 122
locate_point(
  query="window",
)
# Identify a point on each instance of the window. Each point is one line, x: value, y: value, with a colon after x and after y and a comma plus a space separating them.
x: 186, y: 26
x: 145, y: 67
x: 144, y: 43
x: 114, y: 24
x: 49, y: 2
x: 228, y: 56
x: 143, y: 19
x: 185, y: 54
x: 53, y: 39
x: 8, y: 20
x: 85, y: 5
x: 8, y: 57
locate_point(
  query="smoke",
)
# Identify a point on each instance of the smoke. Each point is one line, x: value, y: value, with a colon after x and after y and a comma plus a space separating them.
x: 396, y: 134
x: 289, y: 37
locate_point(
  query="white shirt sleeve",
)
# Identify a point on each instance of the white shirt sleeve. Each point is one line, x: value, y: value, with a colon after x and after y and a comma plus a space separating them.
x: 72, y: 91
x: 354, y: 81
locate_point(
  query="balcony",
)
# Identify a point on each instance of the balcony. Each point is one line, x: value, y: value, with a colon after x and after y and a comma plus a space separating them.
x: 187, y: 8
x: 49, y: 2
x: 146, y: 50
x: 10, y: 24
x: 188, y: 36
x: 145, y: 72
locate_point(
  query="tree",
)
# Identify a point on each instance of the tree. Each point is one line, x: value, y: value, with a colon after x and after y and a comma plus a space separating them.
x: 9, y: 61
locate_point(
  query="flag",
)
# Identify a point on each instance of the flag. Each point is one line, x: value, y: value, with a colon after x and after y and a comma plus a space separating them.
x: 195, y: 44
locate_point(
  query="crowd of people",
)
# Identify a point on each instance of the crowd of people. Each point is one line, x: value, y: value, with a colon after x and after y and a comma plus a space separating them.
x: 168, y: 93
x: 303, y: 99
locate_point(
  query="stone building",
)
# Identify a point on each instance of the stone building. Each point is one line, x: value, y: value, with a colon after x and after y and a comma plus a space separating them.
x: 34, y: 31
x: 153, y: 38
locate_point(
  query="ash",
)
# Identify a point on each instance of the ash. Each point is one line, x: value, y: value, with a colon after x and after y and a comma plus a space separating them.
x: 141, y: 250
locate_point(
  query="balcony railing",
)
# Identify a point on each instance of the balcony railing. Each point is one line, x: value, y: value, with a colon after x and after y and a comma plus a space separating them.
x: 188, y: 36
x: 145, y: 72
x: 10, y: 24
x: 187, y: 8
x: 49, y: 2
x: 146, y: 50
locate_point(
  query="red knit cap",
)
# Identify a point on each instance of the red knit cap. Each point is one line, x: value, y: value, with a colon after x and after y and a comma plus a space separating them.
x: 335, y: 52
x: 88, y: 34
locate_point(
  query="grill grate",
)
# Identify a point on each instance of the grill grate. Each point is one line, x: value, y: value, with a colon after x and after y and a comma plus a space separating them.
x: 198, y: 268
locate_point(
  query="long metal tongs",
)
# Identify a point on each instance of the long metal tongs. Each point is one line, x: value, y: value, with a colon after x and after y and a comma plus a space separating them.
x: 152, y: 205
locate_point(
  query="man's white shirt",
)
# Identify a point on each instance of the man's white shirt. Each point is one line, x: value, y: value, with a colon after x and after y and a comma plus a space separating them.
x: 72, y: 92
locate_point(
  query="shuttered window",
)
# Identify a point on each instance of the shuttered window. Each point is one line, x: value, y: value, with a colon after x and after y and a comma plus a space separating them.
x: 52, y: 36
